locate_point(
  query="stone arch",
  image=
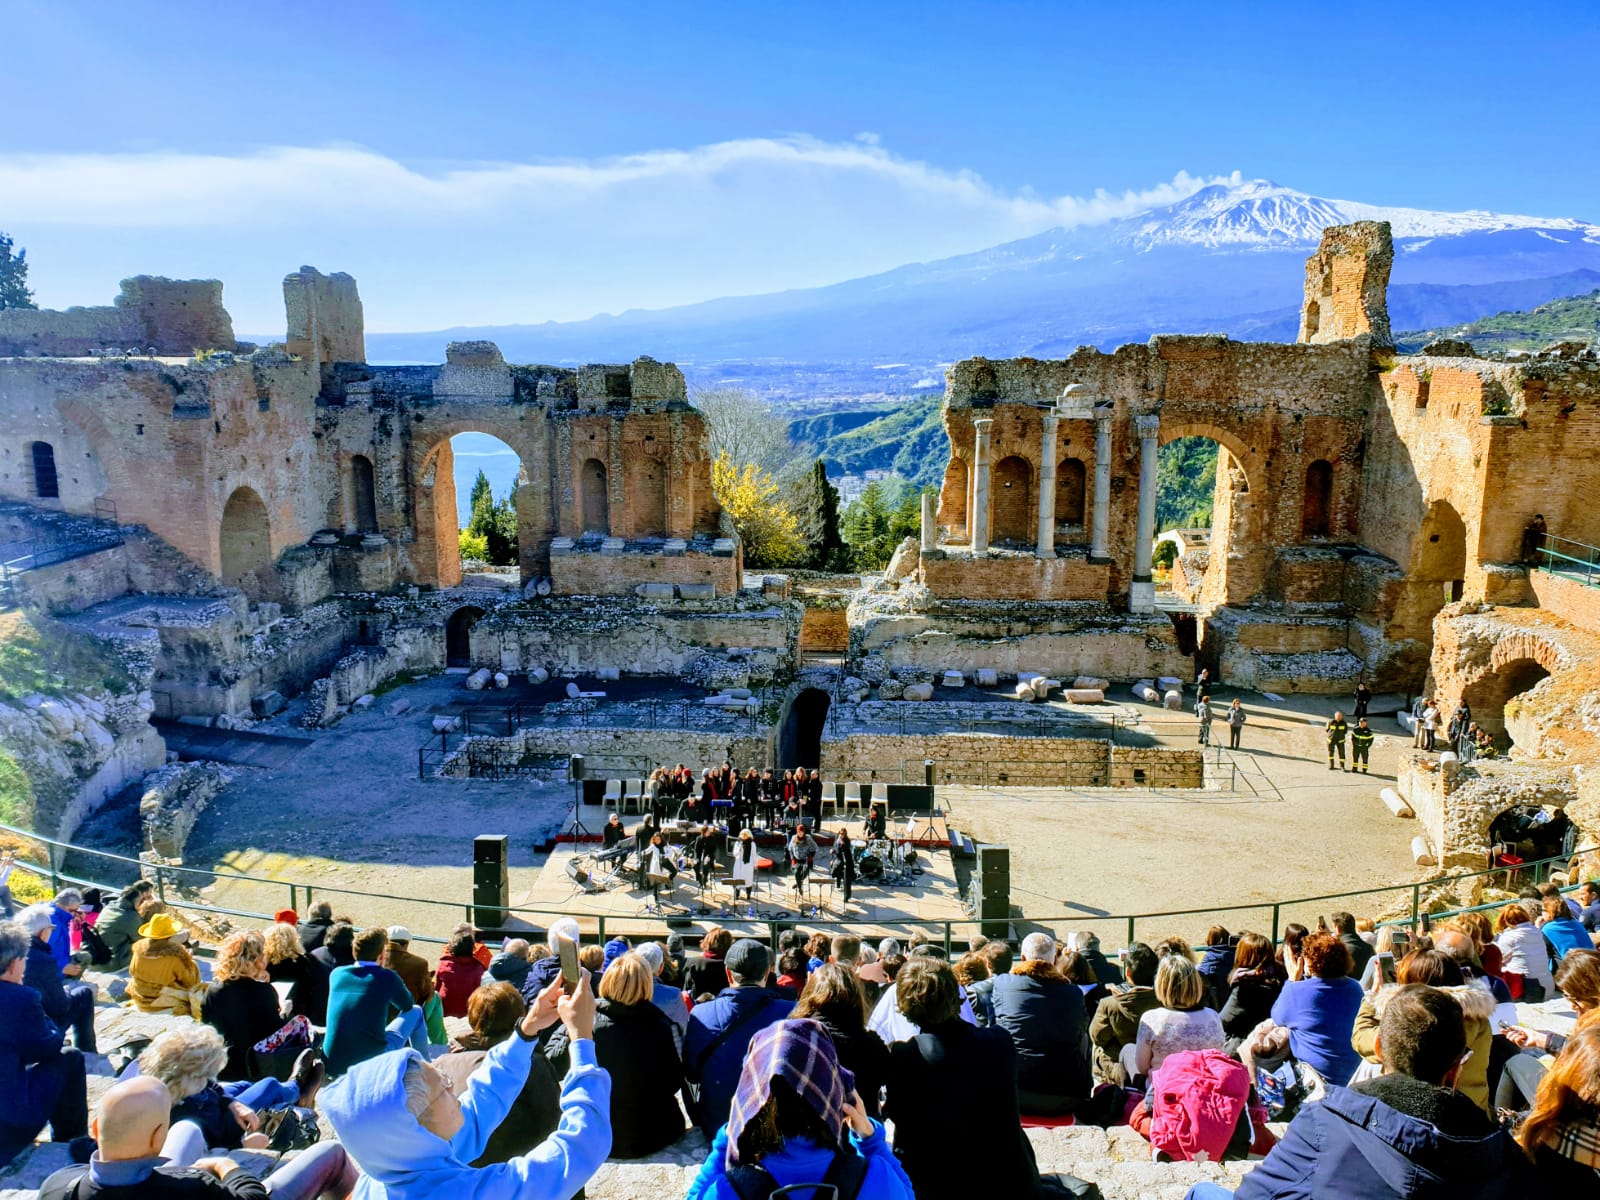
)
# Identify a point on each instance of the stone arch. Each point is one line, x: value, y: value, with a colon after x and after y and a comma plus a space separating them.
x: 1236, y: 565
x: 594, y: 502
x: 434, y: 506
x: 246, y: 545
x: 1072, y: 482
x: 650, y: 498
x: 800, y: 730
x: 953, y: 497
x: 1013, y: 517
x: 458, y: 635
x: 1316, y: 505
x: 1517, y: 664
x: 1440, y: 557
x: 1244, y: 459
x: 46, y: 482
x: 363, y: 495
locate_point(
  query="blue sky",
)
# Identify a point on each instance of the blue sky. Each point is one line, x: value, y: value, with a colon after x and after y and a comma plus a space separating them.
x: 475, y: 163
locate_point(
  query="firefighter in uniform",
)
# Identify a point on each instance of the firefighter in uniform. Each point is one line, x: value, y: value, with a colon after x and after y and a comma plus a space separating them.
x: 1338, y: 729
x: 1360, y: 745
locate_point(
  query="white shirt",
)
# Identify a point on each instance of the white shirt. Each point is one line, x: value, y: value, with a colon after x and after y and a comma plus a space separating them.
x: 1523, y: 951
x: 892, y: 1025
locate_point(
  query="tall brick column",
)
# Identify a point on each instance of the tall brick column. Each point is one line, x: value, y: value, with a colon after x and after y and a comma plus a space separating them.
x: 1142, y: 592
x: 978, y: 518
x: 1099, y: 537
x: 1045, y: 546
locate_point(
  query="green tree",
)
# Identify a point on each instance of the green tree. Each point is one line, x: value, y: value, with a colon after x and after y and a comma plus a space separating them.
x: 818, y: 510
x: 493, y: 521
x: 14, y: 291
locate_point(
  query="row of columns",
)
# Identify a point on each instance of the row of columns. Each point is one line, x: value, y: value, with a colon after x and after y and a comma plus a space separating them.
x: 1142, y: 592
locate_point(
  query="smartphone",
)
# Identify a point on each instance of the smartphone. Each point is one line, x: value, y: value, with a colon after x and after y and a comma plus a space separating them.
x: 567, y: 950
x: 1386, y: 968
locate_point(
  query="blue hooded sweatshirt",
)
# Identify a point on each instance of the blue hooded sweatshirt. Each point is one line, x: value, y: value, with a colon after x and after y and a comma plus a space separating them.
x: 400, y: 1160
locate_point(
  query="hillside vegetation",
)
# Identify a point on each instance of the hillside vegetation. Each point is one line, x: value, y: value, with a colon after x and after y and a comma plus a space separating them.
x: 1575, y: 318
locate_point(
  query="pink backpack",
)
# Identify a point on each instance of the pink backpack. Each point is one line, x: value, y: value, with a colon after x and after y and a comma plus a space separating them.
x: 1196, y: 1100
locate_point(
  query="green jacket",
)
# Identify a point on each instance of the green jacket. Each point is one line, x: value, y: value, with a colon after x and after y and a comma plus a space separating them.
x: 1115, y: 1025
x: 1362, y: 737
x: 1337, y: 730
x: 118, y: 927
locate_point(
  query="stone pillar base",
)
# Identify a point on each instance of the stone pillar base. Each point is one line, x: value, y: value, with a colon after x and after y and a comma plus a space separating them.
x: 1142, y: 596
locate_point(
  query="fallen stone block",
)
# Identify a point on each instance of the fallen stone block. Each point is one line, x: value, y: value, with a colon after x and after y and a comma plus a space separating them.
x: 1089, y: 681
x: 542, y: 588
x: 267, y: 704
x: 609, y: 674
x: 573, y: 691
x: 954, y: 679
x: 891, y: 689
x: 401, y: 705
x: 446, y: 724
x: 1173, y: 699
x: 919, y: 691
x: 1143, y: 691
x: 1079, y: 695
x: 479, y: 679
x: 195, y: 719
x: 363, y: 701
x: 1169, y: 683
x: 538, y: 675
x: 740, y: 693
x: 1396, y: 804
x: 1024, y: 690
x: 697, y: 591
x: 501, y: 679
x: 988, y: 677
x: 655, y: 591
x: 1420, y: 853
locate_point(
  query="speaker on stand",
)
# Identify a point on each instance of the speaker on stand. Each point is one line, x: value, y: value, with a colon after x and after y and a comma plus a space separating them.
x: 575, y: 772
x: 992, y: 883
x: 491, y: 880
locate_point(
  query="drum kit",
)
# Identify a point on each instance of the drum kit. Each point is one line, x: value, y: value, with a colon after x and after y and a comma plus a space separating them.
x: 887, y: 863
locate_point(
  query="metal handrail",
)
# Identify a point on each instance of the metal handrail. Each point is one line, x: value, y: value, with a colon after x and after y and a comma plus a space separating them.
x: 1580, y: 557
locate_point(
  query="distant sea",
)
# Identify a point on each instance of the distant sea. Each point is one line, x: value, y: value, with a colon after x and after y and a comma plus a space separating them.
x: 479, y: 452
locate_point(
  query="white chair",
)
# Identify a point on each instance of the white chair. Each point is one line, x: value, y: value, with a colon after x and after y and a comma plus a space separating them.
x: 852, y: 796
x: 613, y: 796
x: 880, y: 793
x: 830, y: 797
x: 633, y: 796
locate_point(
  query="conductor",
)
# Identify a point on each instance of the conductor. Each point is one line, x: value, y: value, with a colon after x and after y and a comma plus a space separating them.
x: 802, y: 856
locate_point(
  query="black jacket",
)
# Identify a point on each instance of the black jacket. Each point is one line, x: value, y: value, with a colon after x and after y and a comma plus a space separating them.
x: 307, y: 977
x: 1047, y: 1021
x: 312, y: 934
x: 1360, y: 952
x: 1248, y: 1004
x: 704, y: 976
x: 952, y: 1088
x: 533, y: 1115
x: 43, y: 975
x: 244, y: 1012
x: 634, y: 1042
x: 164, y: 1183
x: 863, y: 1054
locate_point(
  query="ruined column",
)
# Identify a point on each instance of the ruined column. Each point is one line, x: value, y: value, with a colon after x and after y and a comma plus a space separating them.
x: 930, y: 517
x: 1045, y: 546
x: 978, y: 517
x: 1098, y: 551
x: 1142, y: 593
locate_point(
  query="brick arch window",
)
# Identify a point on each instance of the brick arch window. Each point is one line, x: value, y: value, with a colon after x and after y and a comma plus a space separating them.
x: 1316, y: 510
x: 363, y: 494
x: 46, y: 483
x: 1071, y: 480
x: 595, y: 501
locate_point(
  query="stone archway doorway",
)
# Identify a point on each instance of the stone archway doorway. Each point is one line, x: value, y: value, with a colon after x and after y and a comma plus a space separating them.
x: 458, y: 636
x: 245, y: 543
x: 800, y: 736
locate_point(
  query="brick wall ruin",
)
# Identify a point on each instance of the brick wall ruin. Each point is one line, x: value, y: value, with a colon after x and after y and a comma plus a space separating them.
x: 166, y: 316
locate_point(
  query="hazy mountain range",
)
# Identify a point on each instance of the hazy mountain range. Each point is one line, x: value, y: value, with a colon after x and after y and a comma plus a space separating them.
x: 1229, y: 258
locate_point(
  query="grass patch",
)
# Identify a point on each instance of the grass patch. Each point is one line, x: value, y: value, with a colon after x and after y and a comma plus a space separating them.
x: 53, y: 664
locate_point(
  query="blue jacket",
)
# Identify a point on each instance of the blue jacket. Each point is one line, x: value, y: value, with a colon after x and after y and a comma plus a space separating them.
x: 1352, y: 1146
x: 400, y: 1160
x: 61, y: 935
x: 43, y: 975
x: 1566, y: 934
x: 803, y: 1161
x: 27, y: 1037
x: 1216, y: 964
x: 1321, y: 1015
x: 714, y: 1065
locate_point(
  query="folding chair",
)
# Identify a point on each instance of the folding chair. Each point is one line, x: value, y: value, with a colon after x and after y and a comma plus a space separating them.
x: 852, y: 796
x: 830, y: 798
x: 613, y: 796
x: 633, y: 796
x: 880, y: 793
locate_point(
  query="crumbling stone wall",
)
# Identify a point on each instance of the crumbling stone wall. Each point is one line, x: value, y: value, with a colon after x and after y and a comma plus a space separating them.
x: 169, y: 316
x: 174, y: 797
x: 1019, y: 761
x: 325, y: 320
x: 1347, y: 284
x: 1456, y: 804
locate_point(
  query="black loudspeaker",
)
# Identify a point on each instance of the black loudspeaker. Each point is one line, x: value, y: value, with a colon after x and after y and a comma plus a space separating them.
x: 575, y: 768
x: 927, y: 772
x: 992, y: 880
x: 491, y: 880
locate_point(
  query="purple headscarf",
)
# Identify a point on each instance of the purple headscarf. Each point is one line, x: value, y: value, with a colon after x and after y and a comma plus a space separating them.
x: 802, y: 1055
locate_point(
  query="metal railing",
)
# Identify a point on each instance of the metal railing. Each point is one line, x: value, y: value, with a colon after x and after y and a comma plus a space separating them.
x: 1578, y: 561
x: 1275, y: 914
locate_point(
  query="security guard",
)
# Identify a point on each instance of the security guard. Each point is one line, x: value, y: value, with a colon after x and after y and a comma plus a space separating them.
x: 1338, y: 730
x: 1360, y: 745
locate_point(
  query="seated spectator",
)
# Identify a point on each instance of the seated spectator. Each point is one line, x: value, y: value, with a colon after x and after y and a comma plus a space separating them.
x: 494, y: 1012
x: 971, y: 970
x: 240, y: 1003
x: 871, y: 972
x: 833, y: 998
x: 412, y: 1137
x: 1391, y: 945
x: 1552, y: 891
x: 795, y: 1120
x: 1344, y: 924
x: 955, y: 1086
x: 1075, y: 968
x: 997, y: 960
x: 633, y: 1042
x: 1578, y: 981
x: 1115, y: 1026
x: 791, y: 973
x: 1320, y: 1009
x: 1407, y: 1133
x: 720, y: 1031
x: 708, y: 974
x: 1253, y: 988
x: 66, y: 1002
x: 547, y: 966
x: 1438, y: 970
x: 1044, y: 1014
x: 1589, y: 906
x: 62, y: 910
x: 1087, y: 943
x: 511, y: 965
x: 1216, y: 964
x: 412, y: 968
x: 1175, y: 945
x: 591, y: 958
x: 1524, y: 956
x: 162, y: 975
x: 287, y: 962
x: 361, y: 999
x: 222, y: 1116
x: 818, y: 948
x: 118, y: 926
x: 663, y: 995
x: 41, y: 1079
x: 337, y: 948
x: 1562, y: 1133
x: 1562, y: 930
x: 1184, y: 1021
x: 314, y: 929
x: 459, y: 974
x: 888, y: 1019
x: 1458, y: 948
x: 131, y: 1131
x: 1290, y: 963
x: 1478, y: 927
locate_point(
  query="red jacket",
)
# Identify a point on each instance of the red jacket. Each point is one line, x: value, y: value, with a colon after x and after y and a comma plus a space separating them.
x: 457, y: 978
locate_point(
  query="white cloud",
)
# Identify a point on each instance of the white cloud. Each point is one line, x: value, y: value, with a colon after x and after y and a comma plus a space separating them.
x: 642, y: 230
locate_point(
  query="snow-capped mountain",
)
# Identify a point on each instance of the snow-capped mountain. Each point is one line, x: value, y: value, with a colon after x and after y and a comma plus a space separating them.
x: 1226, y: 259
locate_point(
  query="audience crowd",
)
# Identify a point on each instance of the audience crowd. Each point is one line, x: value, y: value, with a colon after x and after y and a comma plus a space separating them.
x: 1392, y: 1054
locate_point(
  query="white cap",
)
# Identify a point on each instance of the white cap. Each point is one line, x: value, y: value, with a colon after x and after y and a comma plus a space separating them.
x: 399, y: 933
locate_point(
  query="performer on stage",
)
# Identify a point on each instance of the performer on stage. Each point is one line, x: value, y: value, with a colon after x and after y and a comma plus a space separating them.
x: 813, y: 805
x: 771, y: 798
x: 744, y: 866
x: 844, y: 863
x: 877, y: 821
x: 612, y: 832
x: 802, y: 856
x: 704, y: 855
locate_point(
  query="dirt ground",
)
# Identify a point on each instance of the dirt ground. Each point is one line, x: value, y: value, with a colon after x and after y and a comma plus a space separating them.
x: 345, y: 809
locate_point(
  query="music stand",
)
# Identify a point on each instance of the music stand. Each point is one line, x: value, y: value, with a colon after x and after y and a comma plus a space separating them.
x: 655, y: 882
